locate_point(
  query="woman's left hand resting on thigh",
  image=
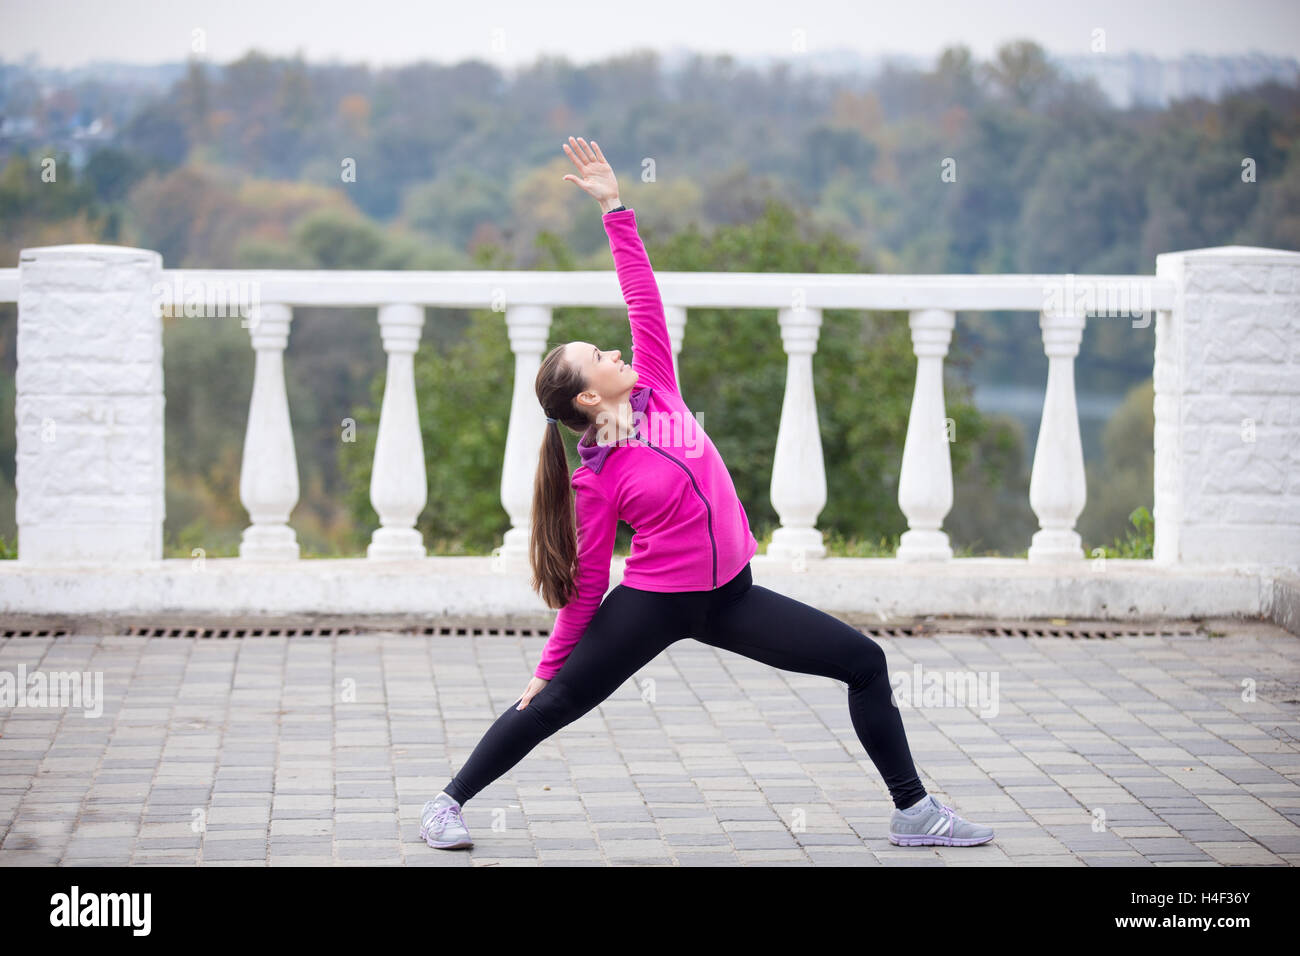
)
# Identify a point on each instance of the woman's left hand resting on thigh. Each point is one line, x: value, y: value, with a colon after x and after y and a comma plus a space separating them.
x: 534, y: 687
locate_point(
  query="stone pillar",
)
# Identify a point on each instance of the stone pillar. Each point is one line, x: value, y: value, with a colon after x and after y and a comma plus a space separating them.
x: 1227, y: 408
x: 89, y: 405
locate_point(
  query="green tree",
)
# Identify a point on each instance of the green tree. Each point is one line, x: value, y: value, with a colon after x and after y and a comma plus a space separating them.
x: 1022, y: 73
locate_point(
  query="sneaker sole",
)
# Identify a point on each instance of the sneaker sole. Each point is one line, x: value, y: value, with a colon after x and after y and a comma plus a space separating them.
x: 454, y: 845
x: 924, y: 839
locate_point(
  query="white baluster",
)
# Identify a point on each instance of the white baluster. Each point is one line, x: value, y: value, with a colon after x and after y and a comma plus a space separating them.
x: 398, y: 484
x: 675, y: 317
x: 527, y: 326
x: 268, y: 474
x: 798, y: 468
x: 925, y: 478
x: 1057, y: 486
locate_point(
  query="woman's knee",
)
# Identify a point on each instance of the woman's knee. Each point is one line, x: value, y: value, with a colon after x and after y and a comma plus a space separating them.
x: 869, y: 660
x: 556, y: 705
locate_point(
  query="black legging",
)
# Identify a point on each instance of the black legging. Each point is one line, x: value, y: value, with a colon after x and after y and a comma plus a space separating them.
x: 632, y: 626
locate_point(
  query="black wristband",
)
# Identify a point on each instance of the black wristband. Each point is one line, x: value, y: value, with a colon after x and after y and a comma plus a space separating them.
x: 619, y: 208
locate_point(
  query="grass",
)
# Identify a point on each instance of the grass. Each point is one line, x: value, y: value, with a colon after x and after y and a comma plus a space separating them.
x: 1140, y: 540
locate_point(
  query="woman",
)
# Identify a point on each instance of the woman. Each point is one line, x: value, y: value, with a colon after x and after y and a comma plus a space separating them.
x: 688, y: 573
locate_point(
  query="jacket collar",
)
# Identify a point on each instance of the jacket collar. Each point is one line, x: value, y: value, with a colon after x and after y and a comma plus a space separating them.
x: 593, y: 455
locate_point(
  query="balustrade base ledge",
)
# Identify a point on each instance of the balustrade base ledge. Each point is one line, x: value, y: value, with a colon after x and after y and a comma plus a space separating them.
x: 404, y: 593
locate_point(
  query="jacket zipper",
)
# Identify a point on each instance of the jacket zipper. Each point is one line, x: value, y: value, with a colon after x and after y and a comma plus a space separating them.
x: 709, y: 511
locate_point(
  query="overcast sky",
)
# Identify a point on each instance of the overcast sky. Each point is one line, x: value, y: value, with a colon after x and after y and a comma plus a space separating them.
x: 509, y: 32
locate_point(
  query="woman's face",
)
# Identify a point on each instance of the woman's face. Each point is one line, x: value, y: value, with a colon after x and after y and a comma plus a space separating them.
x: 609, y: 379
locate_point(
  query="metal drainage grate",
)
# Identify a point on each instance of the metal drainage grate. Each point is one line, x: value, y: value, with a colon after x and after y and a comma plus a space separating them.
x: 236, y: 632
x: 225, y: 633
x: 1084, y: 632
x: 34, y: 632
x: 453, y: 631
x: 881, y: 631
x: 1078, y: 632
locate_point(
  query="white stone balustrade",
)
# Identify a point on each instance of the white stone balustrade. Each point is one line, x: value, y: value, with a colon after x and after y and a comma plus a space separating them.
x: 1227, y: 408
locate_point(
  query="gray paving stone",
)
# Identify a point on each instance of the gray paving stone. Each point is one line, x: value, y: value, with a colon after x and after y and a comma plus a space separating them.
x: 845, y: 838
x: 365, y: 831
x: 1134, y: 859
x: 234, y: 849
x: 616, y: 832
x: 1151, y: 847
x: 703, y: 839
x: 551, y: 845
x: 763, y: 840
x: 1280, y: 843
x: 705, y: 858
x: 169, y: 843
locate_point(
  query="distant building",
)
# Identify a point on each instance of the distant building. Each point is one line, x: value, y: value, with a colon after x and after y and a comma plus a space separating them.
x: 1135, y: 79
x: 1126, y: 79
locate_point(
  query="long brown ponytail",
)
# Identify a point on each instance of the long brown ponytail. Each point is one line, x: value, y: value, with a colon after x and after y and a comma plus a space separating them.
x: 554, y: 545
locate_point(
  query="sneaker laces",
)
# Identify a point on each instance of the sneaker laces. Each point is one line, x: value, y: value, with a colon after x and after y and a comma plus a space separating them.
x: 445, y: 815
x: 951, y: 814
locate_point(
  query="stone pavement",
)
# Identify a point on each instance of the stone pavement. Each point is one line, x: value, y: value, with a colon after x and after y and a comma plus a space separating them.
x: 314, y: 750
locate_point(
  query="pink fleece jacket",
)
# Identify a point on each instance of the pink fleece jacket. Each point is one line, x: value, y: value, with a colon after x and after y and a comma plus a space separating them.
x: 690, y: 531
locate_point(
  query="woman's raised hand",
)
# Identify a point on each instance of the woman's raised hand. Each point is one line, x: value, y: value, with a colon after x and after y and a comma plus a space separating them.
x: 597, y: 178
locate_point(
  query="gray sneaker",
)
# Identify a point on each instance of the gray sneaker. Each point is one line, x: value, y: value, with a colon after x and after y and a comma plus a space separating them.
x: 441, y: 824
x: 935, y: 825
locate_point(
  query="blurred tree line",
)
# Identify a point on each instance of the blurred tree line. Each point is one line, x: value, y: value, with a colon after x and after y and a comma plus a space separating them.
x: 729, y: 170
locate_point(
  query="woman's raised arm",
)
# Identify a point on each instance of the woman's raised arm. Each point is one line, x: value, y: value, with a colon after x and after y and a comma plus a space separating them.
x: 652, y: 355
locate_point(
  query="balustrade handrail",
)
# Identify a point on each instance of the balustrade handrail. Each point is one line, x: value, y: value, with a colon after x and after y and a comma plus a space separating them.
x: 472, y: 288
